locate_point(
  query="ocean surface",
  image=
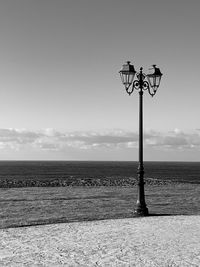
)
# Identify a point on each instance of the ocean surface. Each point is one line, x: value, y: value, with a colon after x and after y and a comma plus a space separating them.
x: 187, y: 172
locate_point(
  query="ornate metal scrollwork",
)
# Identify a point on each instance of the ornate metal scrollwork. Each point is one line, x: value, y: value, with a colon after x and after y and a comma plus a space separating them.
x: 136, y: 85
x: 145, y: 85
x: 141, y: 84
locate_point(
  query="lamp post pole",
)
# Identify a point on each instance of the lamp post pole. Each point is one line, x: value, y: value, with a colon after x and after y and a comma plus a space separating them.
x: 127, y: 75
x: 141, y: 208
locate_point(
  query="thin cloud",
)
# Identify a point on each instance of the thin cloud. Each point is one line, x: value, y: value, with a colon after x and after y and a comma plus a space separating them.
x: 14, y: 138
x: 52, y: 140
x: 175, y: 140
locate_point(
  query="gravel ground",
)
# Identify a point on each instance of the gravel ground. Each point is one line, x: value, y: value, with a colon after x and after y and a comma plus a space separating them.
x: 149, y: 241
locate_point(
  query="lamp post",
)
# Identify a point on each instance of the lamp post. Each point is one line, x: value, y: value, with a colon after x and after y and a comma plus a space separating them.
x: 143, y: 82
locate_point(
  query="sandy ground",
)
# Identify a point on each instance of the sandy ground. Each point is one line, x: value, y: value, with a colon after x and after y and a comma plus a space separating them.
x: 150, y: 241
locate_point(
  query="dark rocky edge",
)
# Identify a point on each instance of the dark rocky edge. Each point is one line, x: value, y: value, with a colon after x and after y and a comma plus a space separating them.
x: 108, y: 181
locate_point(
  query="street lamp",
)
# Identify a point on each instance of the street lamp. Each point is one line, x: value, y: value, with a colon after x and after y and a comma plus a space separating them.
x: 143, y: 82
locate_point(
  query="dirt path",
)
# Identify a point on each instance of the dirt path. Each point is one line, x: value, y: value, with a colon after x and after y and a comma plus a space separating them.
x: 151, y: 241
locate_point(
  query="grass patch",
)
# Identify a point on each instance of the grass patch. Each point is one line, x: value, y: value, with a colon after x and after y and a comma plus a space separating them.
x: 44, y: 205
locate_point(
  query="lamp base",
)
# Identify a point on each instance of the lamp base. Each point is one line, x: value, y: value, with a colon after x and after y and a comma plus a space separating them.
x: 141, y: 211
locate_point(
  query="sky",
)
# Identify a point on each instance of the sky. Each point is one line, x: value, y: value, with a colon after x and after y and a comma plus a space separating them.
x: 61, y: 96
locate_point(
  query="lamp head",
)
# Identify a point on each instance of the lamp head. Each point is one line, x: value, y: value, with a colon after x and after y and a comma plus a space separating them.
x: 154, y: 78
x: 127, y: 74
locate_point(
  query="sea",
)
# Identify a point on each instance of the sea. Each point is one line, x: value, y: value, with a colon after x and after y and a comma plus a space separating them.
x: 183, y: 172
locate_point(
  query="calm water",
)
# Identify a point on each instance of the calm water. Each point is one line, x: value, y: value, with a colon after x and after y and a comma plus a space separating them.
x: 188, y: 172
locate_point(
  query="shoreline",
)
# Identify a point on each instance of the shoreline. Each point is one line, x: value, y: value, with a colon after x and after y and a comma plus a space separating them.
x: 77, y: 181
